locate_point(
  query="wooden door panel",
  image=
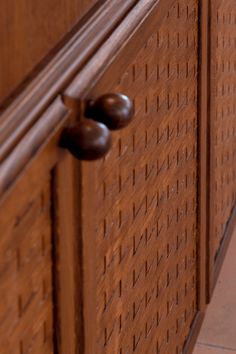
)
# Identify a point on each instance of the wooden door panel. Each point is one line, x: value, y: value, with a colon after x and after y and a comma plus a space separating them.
x: 37, y: 243
x: 26, y: 272
x: 222, y: 131
x: 142, y: 199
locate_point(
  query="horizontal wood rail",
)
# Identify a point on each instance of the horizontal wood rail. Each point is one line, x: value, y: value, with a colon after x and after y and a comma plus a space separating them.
x: 21, y: 125
x: 145, y: 17
x: 30, y: 104
x: 36, y: 137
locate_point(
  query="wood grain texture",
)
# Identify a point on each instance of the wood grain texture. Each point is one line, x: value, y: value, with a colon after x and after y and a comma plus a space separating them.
x: 29, y: 105
x: 139, y: 24
x: 222, y: 125
x: 29, y: 146
x: 38, y: 245
x: 145, y: 212
x: 203, y: 150
x: 29, y: 30
x: 26, y: 311
x: 68, y: 327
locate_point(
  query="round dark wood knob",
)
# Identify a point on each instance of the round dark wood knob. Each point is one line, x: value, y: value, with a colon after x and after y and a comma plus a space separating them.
x: 113, y: 109
x: 88, y: 140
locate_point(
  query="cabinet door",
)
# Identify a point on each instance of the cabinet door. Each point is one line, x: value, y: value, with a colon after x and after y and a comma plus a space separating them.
x: 222, y: 132
x: 37, y: 242
x: 139, y: 204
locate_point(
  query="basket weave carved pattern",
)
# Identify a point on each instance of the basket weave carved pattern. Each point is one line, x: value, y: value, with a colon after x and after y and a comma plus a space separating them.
x: 223, y: 122
x: 146, y: 191
x: 26, y: 274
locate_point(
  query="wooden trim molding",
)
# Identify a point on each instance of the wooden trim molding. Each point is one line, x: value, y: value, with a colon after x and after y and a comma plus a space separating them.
x: 67, y: 264
x: 24, y: 126
x: 211, y: 163
x: 193, y: 334
x: 203, y: 108
x: 31, y: 143
x: 30, y: 104
x: 223, y: 249
x: 144, y: 18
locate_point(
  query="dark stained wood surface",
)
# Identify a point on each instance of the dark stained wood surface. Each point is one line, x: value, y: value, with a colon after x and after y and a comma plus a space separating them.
x: 87, y: 140
x: 112, y: 109
x: 29, y: 30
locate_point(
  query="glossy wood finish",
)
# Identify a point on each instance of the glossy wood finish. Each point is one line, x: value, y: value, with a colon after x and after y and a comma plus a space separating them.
x: 115, y: 110
x: 88, y: 140
x: 29, y: 30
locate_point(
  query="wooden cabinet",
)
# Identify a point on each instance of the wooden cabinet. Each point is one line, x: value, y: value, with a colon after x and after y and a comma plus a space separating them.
x: 114, y: 255
x: 38, y: 241
x: 143, y: 195
x: 222, y: 133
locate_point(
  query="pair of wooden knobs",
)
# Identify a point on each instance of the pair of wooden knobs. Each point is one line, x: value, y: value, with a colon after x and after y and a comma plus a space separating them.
x: 90, y: 139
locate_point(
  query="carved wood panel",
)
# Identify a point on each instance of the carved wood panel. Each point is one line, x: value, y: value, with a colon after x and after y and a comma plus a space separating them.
x: 223, y: 123
x: 145, y: 213
x: 37, y: 242
x: 26, y: 311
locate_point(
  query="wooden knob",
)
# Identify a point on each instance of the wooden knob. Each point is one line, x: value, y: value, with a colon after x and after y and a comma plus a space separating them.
x: 88, y: 140
x: 113, y: 109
